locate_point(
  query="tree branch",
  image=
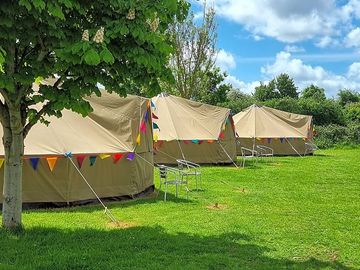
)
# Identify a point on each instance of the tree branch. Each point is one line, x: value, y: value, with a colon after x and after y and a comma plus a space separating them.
x: 37, y: 117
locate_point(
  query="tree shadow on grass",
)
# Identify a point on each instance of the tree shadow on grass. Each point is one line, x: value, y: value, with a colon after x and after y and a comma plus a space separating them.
x: 140, y: 248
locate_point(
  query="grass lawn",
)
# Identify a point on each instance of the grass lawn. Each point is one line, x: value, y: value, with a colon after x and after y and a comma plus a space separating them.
x: 294, y: 213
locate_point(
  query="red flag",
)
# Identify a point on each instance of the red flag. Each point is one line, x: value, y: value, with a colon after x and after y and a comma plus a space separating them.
x: 117, y: 157
x: 222, y: 135
x: 80, y: 160
x: 154, y: 116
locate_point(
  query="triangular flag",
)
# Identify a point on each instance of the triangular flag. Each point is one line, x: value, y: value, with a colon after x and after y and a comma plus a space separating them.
x: 80, y: 160
x: 68, y: 154
x: 200, y: 142
x: 155, y: 126
x: 51, y: 162
x: 210, y: 141
x: 186, y: 142
x: 282, y: 140
x: 103, y: 156
x: 228, y: 120
x: 222, y: 135
x: 130, y: 156
x: 156, y: 137
x: 154, y: 116
x: 146, y: 116
x: 143, y: 127
x: 269, y: 140
x: 259, y: 139
x: 148, y: 104
x: 152, y: 104
x: 92, y: 160
x: 195, y: 141
x: 117, y: 157
x: 1, y: 162
x: 138, y: 139
x: 34, y: 162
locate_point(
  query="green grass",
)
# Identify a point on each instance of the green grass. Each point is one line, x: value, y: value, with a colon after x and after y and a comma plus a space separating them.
x: 294, y: 213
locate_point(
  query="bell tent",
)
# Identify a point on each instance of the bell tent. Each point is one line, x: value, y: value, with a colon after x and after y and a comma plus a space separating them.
x: 286, y: 133
x: 111, y: 147
x: 197, y: 132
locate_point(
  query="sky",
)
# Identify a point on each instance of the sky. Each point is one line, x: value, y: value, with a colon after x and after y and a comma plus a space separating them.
x: 314, y: 41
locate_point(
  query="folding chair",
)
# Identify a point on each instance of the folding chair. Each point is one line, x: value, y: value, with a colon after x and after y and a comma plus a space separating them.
x: 310, y: 147
x: 172, y: 176
x: 247, y: 153
x: 265, y: 151
x: 189, y: 168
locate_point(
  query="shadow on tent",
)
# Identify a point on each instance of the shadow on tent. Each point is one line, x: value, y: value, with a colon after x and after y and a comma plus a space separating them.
x: 142, y: 247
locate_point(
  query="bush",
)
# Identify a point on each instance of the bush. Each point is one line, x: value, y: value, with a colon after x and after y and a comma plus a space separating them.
x: 332, y: 135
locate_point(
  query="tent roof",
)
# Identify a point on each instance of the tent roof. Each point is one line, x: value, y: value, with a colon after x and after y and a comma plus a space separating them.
x: 264, y: 122
x: 183, y: 119
x: 108, y: 129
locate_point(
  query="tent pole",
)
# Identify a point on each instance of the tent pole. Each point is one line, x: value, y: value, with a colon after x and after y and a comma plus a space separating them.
x: 182, y: 153
x: 107, y: 211
x: 228, y: 155
x: 293, y: 147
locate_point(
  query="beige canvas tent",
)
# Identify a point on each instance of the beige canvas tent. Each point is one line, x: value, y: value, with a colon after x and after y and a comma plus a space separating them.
x: 185, y: 129
x: 286, y: 133
x: 108, y: 134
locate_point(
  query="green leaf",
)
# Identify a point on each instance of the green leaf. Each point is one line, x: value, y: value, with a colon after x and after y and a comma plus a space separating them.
x: 26, y: 4
x: 92, y: 57
x: 106, y: 56
x: 56, y: 11
x: 39, y: 79
x: 39, y: 4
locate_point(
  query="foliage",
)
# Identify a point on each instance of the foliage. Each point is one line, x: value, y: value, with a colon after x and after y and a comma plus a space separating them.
x: 352, y: 112
x: 217, y: 90
x: 347, y: 96
x: 314, y: 92
x: 331, y: 135
x: 263, y: 224
x: 287, y: 104
x: 280, y: 87
x: 193, y: 59
x: 237, y: 101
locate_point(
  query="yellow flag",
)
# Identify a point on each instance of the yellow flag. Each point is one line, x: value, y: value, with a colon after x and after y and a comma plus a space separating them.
x: 103, y: 156
x: 156, y: 137
x: 1, y: 162
x: 51, y: 162
x: 138, y: 139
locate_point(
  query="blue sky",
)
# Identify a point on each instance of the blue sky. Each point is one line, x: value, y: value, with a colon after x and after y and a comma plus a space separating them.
x: 314, y: 41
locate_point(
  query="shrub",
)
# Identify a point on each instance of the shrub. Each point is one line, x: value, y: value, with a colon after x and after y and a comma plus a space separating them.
x: 332, y: 135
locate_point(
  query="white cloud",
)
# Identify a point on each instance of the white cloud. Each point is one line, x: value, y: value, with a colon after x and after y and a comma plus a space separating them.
x: 293, y: 49
x: 287, y: 21
x: 241, y: 85
x: 225, y: 60
x: 305, y: 75
x: 353, y: 38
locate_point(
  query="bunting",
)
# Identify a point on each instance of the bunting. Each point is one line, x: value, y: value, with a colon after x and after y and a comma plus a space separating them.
x: 195, y: 141
x: 143, y: 127
x: 282, y: 140
x: 51, y: 162
x: 138, y: 139
x: 222, y: 135
x: 155, y: 126
x: 146, y: 116
x: 80, y: 160
x: 68, y: 154
x: 152, y: 104
x: 92, y: 160
x: 148, y: 104
x: 1, y: 162
x: 34, y: 163
x: 130, y: 156
x: 156, y: 137
x: 154, y: 116
x: 117, y: 157
x: 200, y: 142
x: 186, y: 142
x: 269, y: 140
x: 210, y: 141
x: 103, y: 156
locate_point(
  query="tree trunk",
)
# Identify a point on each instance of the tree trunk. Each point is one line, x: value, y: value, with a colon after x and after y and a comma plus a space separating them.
x: 13, y: 141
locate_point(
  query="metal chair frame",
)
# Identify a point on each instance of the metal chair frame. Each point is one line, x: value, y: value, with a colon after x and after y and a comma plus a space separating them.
x: 172, y: 176
x: 265, y: 151
x: 253, y: 155
x: 189, y: 168
x: 310, y: 147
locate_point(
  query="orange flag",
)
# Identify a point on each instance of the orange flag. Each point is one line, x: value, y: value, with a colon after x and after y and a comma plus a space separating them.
x: 51, y: 162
